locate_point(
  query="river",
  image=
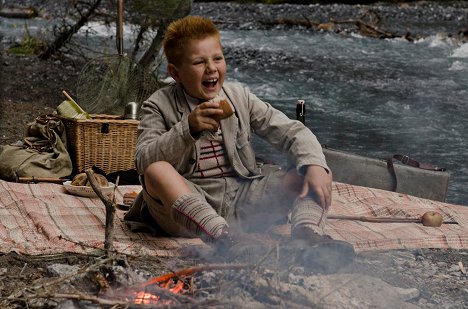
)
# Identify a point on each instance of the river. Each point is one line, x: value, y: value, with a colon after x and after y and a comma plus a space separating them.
x: 368, y: 96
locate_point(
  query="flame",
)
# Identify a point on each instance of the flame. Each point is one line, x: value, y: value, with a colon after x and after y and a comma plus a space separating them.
x: 143, y: 298
x: 146, y: 298
x: 172, y: 283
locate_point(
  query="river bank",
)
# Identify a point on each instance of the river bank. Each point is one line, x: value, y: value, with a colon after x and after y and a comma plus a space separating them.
x: 428, y: 278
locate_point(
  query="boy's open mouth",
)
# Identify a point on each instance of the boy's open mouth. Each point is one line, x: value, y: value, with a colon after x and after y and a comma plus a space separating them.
x: 211, y: 83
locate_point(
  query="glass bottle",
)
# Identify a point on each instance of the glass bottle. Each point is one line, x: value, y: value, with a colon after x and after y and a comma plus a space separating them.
x: 300, y: 111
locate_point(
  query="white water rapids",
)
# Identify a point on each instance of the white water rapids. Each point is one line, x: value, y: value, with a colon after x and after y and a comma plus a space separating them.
x: 372, y: 97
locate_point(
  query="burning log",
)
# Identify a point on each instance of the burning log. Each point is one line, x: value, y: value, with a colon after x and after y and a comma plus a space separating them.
x: 190, y: 271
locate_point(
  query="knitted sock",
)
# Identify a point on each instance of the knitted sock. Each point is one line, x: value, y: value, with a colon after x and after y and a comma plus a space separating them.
x: 307, y: 213
x: 198, y: 217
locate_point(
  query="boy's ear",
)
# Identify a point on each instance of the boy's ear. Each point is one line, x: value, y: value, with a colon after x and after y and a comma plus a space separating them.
x: 172, y: 70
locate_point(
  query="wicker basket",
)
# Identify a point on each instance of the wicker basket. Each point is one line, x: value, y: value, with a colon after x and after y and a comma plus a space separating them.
x: 105, y: 141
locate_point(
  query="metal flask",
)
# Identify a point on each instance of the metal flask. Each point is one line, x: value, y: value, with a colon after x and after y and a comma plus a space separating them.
x: 131, y: 110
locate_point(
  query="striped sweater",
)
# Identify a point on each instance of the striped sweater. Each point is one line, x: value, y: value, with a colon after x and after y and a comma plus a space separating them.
x: 213, y: 161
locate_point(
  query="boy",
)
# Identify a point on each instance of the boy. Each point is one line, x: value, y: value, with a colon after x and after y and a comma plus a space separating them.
x: 198, y: 168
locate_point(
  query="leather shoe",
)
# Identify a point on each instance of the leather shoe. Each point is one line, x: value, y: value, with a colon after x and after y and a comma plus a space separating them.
x: 320, y: 253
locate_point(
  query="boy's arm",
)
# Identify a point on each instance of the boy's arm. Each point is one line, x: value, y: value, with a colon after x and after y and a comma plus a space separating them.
x: 163, y: 136
x: 285, y: 134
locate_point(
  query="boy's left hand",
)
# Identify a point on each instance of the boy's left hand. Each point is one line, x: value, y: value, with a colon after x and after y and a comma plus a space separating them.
x: 319, y: 181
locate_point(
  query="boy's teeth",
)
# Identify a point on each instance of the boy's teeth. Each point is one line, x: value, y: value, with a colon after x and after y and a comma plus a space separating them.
x: 210, y: 83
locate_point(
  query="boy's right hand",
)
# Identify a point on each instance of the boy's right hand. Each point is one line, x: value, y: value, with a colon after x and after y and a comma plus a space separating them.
x: 204, y: 117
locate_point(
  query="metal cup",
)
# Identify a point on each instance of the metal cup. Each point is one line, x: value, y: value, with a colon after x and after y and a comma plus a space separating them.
x: 131, y: 110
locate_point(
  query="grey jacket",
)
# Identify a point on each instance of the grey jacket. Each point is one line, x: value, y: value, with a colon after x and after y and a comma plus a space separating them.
x: 164, y: 135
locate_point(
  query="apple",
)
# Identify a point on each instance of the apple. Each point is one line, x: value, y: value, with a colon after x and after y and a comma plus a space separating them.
x: 432, y: 218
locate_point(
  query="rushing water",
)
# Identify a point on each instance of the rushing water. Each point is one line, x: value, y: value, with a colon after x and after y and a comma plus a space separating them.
x: 367, y: 96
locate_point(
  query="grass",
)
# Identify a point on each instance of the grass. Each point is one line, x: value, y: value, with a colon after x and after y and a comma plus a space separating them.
x: 29, y: 45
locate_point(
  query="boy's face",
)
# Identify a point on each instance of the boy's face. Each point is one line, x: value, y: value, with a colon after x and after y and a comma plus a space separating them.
x: 202, y: 68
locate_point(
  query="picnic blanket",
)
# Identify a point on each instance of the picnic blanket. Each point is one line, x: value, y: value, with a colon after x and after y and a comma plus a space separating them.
x: 45, y: 219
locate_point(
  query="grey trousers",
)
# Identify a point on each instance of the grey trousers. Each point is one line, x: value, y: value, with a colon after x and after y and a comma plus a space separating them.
x: 249, y: 204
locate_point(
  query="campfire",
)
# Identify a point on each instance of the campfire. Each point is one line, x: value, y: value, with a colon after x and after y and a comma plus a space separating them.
x: 163, y: 290
x: 151, y: 292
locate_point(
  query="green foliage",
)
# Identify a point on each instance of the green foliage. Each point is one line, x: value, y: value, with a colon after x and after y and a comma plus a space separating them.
x: 28, y: 46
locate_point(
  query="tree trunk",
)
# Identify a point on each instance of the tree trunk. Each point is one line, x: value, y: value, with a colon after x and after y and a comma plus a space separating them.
x: 66, y: 35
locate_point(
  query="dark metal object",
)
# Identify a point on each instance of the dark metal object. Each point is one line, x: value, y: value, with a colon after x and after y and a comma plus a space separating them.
x: 300, y: 111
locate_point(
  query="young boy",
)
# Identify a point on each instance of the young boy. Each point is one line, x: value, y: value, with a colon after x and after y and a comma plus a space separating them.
x: 198, y: 168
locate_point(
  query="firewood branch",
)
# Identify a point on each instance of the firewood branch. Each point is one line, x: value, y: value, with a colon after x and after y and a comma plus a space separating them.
x: 110, y: 211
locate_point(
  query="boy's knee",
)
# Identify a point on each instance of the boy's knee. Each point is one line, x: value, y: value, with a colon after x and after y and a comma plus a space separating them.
x: 159, y: 173
x: 158, y: 168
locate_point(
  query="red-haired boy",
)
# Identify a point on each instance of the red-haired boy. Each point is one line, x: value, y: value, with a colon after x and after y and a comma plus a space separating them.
x: 199, y: 171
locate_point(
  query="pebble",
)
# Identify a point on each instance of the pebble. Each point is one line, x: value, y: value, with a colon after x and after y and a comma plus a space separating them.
x: 407, y: 294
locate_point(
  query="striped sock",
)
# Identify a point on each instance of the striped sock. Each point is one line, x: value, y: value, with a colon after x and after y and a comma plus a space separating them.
x: 198, y: 217
x: 307, y: 213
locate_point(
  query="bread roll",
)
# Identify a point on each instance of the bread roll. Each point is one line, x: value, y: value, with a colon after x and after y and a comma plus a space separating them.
x: 225, y: 106
x: 227, y: 109
x: 81, y: 179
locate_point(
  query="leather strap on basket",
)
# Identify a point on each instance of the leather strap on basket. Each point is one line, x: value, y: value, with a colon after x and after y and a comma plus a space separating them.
x: 410, y: 162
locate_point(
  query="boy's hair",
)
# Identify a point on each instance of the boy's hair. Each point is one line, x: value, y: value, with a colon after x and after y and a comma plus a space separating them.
x: 181, y: 31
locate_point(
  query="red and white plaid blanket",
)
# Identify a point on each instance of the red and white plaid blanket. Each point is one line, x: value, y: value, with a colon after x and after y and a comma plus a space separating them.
x: 45, y: 219
x: 362, y: 201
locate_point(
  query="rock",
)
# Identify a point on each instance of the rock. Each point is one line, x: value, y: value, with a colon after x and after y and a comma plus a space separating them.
x: 350, y: 291
x: 407, y: 294
x: 58, y: 270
